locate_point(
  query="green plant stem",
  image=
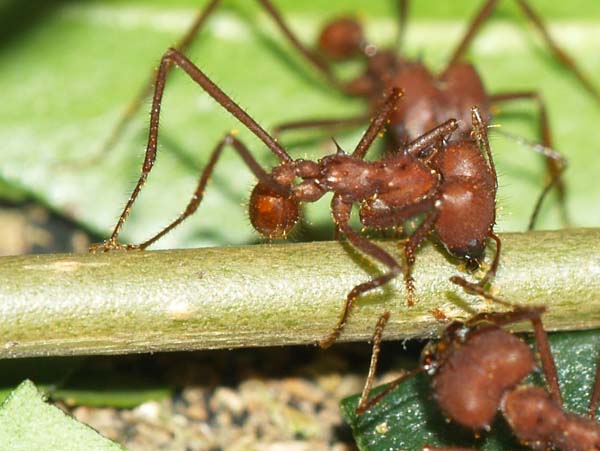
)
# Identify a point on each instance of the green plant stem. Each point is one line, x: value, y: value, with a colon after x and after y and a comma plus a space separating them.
x: 266, y: 295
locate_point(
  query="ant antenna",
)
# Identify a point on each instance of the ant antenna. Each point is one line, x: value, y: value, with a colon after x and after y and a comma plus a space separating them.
x: 548, y: 153
x: 536, y: 147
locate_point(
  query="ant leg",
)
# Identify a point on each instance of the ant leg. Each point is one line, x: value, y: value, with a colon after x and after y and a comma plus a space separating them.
x: 485, y: 12
x: 198, y: 195
x: 402, y: 11
x: 390, y: 388
x: 377, y: 123
x: 135, y: 103
x: 595, y: 398
x: 555, y: 162
x: 474, y: 27
x: 548, y: 364
x: 173, y: 56
x: 411, y: 245
x: 313, y: 58
x: 431, y: 137
x: 520, y: 313
x: 491, y: 273
x: 374, y: 359
x: 319, y: 124
x: 183, y: 44
x: 559, y: 53
x: 341, y: 215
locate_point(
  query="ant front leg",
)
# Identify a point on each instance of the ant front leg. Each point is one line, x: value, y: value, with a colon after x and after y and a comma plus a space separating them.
x: 340, y: 210
x: 136, y: 103
x: 555, y: 162
x: 183, y: 44
x: 172, y: 56
x: 194, y: 203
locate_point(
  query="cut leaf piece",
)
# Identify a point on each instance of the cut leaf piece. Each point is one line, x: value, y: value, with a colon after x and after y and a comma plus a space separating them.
x: 28, y: 423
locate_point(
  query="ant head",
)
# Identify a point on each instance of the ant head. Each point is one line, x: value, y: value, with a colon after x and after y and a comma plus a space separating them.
x: 435, y: 352
x: 272, y: 214
x: 341, y: 39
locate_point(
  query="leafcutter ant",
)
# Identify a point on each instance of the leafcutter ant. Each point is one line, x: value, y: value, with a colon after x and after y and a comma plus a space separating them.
x: 447, y: 181
x: 477, y: 368
x: 430, y: 99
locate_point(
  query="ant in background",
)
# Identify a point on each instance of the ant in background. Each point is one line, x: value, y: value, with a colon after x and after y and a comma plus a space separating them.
x: 476, y: 369
x: 448, y: 182
x: 430, y: 99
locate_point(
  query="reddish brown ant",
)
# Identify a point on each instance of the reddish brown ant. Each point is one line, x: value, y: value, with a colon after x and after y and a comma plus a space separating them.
x: 449, y: 182
x: 429, y: 99
x: 476, y: 369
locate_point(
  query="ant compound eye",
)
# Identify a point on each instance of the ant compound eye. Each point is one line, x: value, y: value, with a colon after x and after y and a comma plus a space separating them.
x: 341, y: 39
x: 272, y: 214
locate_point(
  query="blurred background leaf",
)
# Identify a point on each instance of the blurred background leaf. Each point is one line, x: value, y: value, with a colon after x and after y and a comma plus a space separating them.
x: 69, y: 68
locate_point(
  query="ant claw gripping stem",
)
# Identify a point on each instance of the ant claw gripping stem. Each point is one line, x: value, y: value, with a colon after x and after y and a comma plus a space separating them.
x: 112, y: 245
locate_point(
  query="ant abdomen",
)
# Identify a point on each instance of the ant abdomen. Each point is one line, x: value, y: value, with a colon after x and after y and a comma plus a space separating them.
x: 540, y: 422
x: 471, y: 382
x: 272, y: 214
x: 341, y: 39
x: 470, y: 199
x: 463, y: 159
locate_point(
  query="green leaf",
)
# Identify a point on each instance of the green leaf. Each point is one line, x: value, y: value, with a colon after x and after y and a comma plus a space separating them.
x: 81, y: 381
x: 409, y: 418
x: 28, y: 423
x: 69, y: 70
x: 104, y: 383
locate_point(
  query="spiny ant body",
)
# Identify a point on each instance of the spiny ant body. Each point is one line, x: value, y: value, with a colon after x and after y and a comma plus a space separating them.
x: 427, y: 177
x: 476, y: 369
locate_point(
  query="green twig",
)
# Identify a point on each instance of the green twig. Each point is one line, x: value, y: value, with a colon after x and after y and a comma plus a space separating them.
x: 268, y: 294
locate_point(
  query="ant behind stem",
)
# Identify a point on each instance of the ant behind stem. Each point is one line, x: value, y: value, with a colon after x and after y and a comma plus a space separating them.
x: 430, y: 99
x: 449, y: 182
x: 476, y: 368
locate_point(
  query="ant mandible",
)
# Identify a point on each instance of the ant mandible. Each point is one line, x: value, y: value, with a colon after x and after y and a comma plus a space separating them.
x: 429, y: 99
x: 449, y: 182
x: 476, y: 369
